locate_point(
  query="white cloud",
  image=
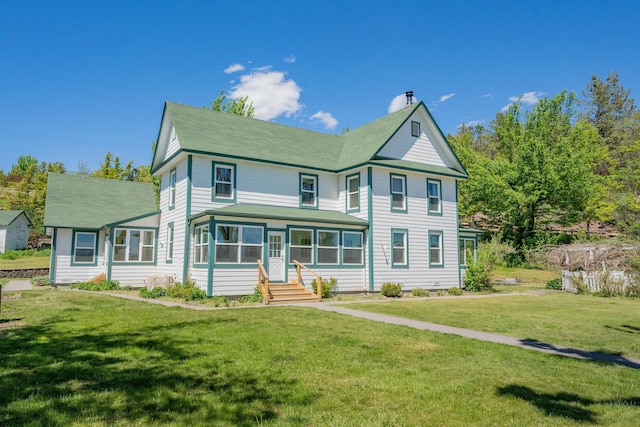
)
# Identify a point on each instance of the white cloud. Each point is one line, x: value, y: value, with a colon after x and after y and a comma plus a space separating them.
x: 445, y: 97
x: 233, y: 68
x: 271, y: 93
x: 397, y: 103
x: 473, y: 123
x: 289, y: 59
x: 486, y: 95
x: 529, y: 98
x: 326, y: 119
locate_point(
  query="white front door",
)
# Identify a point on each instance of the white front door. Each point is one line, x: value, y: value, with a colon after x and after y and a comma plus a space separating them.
x: 276, y: 256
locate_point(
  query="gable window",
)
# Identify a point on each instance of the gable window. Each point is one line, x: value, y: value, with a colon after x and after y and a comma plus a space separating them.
x: 398, y: 193
x: 435, y: 249
x: 328, y: 243
x: 170, y: 242
x: 415, y: 128
x: 238, y: 244
x: 399, y: 243
x: 224, y: 182
x: 172, y: 188
x: 353, y: 193
x: 201, y: 244
x: 133, y: 245
x: 84, y: 247
x: 308, y: 190
x: 301, y: 246
x: 467, y: 251
x: 434, y: 196
x: 351, y: 247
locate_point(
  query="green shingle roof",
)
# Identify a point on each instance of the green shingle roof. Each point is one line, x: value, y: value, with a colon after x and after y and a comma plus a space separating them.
x: 76, y: 201
x: 418, y: 167
x: 7, y: 217
x: 285, y: 213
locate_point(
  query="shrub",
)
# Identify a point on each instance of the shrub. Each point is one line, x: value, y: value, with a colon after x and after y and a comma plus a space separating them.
x: 440, y: 293
x: 40, y: 281
x: 555, y: 284
x: 392, y: 290
x: 105, y: 285
x: 632, y: 290
x: 253, y: 298
x: 327, y: 286
x: 220, y: 300
x: 455, y: 291
x: 477, y: 277
x: 25, y: 253
x: 187, y: 291
x: 419, y: 292
x: 609, y: 286
x: 156, y: 292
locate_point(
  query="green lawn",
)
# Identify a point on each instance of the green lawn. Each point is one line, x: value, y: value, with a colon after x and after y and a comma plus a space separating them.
x: 610, y: 325
x: 71, y: 358
x: 528, y: 279
x: 25, y: 259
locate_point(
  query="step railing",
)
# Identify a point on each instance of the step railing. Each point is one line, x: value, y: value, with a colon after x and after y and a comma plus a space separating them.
x: 299, y: 267
x: 263, y: 282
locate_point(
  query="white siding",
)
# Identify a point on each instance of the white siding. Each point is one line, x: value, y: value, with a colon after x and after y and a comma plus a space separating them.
x: 3, y: 233
x: 173, y: 144
x: 64, y: 271
x: 132, y: 275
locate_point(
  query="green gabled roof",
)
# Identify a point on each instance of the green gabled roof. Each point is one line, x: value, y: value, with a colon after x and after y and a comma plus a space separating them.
x: 75, y: 201
x: 7, y: 217
x: 418, y: 167
x: 285, y: 213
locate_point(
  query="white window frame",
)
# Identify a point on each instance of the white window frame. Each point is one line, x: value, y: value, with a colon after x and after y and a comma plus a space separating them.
x: 403, y: 193
x: 349, y: 192
x: 230, y: 182
x: 313, y: 192
x: 172, y: 188
x: 440, y: 248
x: 170, y: 239
x: 141, y: 245
x: 240, y: 244
x: 292, y: 246
x: 93, y: 246
x: 404, y: 248
x: 335, y: 248
x: 346, y: 248
x: 201, y: 242
x: 437, y: 197
x: 464, y: 241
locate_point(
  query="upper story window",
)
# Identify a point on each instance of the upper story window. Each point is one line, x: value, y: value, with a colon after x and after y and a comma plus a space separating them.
x: 224, y: 178
x: 201, y: 244
x: 398, y: 193
x: 434, y: 196
x: 415, y: 128
x: 308, y: 190
x: 172, y: 188
x: 353, y: 192
x: 84, y: 247
x: 132, y: 245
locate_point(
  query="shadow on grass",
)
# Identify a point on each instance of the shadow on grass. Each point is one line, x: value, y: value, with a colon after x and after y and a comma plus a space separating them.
x: 566, y: 405
x: 599, y: 356
x: 625, y: 328
x: 53, y: 377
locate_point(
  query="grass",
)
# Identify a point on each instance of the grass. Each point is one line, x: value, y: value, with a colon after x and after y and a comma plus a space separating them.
x: 528, y: 278
x: 609, y: 325
x: 72, y: 358
x: 29, y: 258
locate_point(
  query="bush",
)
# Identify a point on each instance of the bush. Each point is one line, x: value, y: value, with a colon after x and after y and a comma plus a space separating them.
x: 418, y: 292
x: 187, y: 291
x: 392, y: 290
x: 327, y: 286
x: 253, y: 298
x: 455, y: 291
x: 156, y: 292
x: 477, y: 277
x: 220, y: 300
x: 40, y: 281
x: 105, y: 285
x: 632, y: 290
x: 555, y: 284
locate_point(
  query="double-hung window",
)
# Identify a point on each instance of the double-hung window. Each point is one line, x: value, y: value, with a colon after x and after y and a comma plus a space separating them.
x: 170, y: 242
x: 132, y: 245
x: 201, y: 244
x: 434, y: 197
x: 415, y: 128
x: 223, y: 182
x: 398, y: 193
x: 353, y: 192
x: 467, y: 251
x: 435, y: 249
x: 399, y: 244
x: 328, y: 245
x: 84, y: 249
x: 351, y: 247
x: 238, y: 244
x: 301, y: 246
x: 308, y: 191
x: 172, y: 188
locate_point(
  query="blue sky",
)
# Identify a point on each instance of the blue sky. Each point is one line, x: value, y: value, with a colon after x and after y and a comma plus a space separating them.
x: 80, y: 78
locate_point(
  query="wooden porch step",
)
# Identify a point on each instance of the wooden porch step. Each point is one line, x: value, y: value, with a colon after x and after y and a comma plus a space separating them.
x: 290, y: 293
x: 99, y: 278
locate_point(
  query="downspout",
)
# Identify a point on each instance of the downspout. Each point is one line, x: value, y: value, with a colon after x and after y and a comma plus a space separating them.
x: 212, y: 225
x: 187, y: 226
x: 458, y: 239
x: 370, y: 232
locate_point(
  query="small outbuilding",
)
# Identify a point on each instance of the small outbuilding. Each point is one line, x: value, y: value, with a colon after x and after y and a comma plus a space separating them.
x: 14, y: 230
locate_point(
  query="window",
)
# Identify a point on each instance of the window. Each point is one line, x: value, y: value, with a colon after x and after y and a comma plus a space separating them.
x: 351, y: 248
x: 172, y: 188
x: 434, y: 197
x: 133, y: 245
x: 398, y: 193
x: 238, y: 244
x: 84, y: 251
x: 328, y: 244
x: 435, y: 248
x: 223, y: 182
x: 467, y: 251
x: 308, y: 190
x: 415, y: 128
x: 399, y: 248
x: 353, y: 193
x: 301, y: 246
x: 201, y: 244
x: 170, y: 242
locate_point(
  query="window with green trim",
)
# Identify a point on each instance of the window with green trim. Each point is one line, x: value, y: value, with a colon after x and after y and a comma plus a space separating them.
x: 435, y: 248
x: 84, y: 249
x: 308, y: 190
x: 398, y: 192
x: 301, y: 246
x: 328, y: 246
x: 201, y: 244
x: 131, y: 245
x: 434, y: 196
x: 352, y: 243
x: 415, y: 128
x: 172, y: 188
x: 238, y: 244
x: 467, y: 251
x: 223, y: 181
x: 399, y: 247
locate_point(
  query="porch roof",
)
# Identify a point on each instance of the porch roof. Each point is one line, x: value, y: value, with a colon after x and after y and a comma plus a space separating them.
x: 245, y: 210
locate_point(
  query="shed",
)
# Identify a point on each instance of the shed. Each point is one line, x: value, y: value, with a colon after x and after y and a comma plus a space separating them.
x: 14, y: 230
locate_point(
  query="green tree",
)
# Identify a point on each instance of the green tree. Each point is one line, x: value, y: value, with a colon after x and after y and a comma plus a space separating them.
x: 238, y: 107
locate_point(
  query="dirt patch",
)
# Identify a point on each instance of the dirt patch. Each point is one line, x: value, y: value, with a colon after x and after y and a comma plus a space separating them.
x: 10, y: 324
x: 11, y: 297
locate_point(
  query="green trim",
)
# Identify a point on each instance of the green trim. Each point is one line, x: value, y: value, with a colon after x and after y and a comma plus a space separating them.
x: 173, y: 186
x: 169, y: 159
x: 475, y: 246
x: 416, y: 123
x: 285, y: 247
x: 405, y: 231
x: 314, y: 247
x: 404, y: 188
x: 441, y: 240
x: 187, y: 230
x: 231, y: 199
x: 168, y: 260
x: 338, y: 248
x: 109, y: 251
x: 458, y: 237
x: 429, y: 211
x: 135, y: 218
x: 313, y: 244
x: 245, y: 265
x: 95, y: 249
x: 346, y: 198
x: 316, y: 205
x: 155, y: 245
x: 370, y: 230
x: 460, y: 166
x: 153, y: 158
x: 405, y: 165
x: 52, y: 257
